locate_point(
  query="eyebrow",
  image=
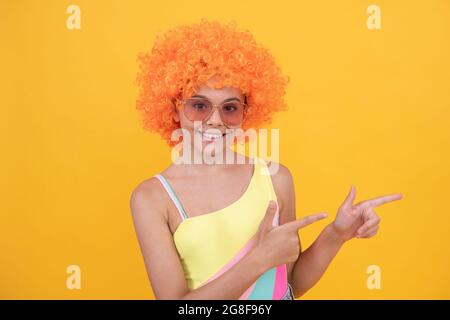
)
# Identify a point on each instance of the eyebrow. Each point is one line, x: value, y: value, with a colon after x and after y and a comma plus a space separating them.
x: 226, y: 100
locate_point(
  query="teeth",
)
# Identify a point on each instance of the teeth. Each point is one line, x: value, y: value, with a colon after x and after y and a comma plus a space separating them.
x: 211, y: 136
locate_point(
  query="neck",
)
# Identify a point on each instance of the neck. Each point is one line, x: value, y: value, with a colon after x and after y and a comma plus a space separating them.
x: 211, y: 164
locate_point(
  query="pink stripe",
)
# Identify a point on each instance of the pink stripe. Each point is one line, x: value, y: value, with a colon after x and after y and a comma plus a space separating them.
x: 233, y: 261
x: 280, y: 283
x: 247, y: 292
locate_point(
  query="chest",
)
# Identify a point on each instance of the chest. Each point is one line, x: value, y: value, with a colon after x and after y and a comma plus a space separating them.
x: 205, y: 196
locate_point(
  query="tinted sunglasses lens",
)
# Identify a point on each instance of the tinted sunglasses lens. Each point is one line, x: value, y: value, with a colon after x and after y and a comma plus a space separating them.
x: 232, y: 113
x: 197, y: 109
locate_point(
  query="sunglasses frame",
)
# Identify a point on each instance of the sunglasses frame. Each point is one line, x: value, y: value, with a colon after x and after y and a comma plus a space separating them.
x: 182, y: 102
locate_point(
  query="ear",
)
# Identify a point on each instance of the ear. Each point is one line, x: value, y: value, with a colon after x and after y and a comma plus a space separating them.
x: 175, y: 114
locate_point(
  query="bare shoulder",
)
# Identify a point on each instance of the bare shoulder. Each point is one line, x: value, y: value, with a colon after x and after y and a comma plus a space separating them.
x: 283, y: 185
x: 281, y: 176
x: 150, y: 217
x: 146, y: 198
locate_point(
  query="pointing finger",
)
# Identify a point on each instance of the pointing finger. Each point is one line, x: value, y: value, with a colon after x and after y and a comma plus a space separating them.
x: 378, y: 201
x: 303, y: 222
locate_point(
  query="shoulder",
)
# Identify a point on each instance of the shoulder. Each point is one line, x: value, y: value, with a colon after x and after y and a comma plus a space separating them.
x: 147, y: 198
x: 283, y: 184
x: 281, y: 175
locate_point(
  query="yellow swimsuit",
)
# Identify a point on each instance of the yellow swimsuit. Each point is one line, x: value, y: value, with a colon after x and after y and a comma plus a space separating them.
x: 210, y: 244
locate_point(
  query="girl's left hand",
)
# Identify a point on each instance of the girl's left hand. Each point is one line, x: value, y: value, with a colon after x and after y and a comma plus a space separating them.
x: 359, y: 220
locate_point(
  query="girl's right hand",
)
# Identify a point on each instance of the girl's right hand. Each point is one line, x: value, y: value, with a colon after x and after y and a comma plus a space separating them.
x: 277, y: 245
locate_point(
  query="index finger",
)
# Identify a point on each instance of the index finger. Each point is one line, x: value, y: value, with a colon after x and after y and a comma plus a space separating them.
x: 303, y: 222
x: 378, y: 201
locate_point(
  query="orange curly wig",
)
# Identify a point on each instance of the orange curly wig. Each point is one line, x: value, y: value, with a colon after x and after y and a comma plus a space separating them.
x: 185, y: 57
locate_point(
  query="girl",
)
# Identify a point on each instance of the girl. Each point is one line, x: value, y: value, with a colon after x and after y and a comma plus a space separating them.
x: 225, y: 230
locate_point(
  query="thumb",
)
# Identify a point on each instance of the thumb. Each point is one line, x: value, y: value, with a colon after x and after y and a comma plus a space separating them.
x: 348, y: 202
x: 266, y: 222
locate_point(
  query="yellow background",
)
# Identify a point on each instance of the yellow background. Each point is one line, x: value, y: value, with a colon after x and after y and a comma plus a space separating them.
x: 367, y: 107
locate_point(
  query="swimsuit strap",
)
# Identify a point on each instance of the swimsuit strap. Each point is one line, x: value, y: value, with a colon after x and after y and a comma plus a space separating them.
x: 173, y: 196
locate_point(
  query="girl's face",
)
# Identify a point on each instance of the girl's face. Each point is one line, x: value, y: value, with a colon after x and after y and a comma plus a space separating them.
x: 201, y: 136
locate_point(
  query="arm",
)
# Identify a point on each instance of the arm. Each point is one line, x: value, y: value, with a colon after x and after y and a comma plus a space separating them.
x: 161, y: 257
x: 312, y: 263
x: 233, y: 283
x: 352, y: 220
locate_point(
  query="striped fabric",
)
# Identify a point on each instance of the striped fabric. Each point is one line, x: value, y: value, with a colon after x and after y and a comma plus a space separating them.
x: 172, y: 196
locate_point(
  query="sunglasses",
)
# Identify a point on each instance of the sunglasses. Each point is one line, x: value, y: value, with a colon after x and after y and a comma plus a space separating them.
x: 231, y: 112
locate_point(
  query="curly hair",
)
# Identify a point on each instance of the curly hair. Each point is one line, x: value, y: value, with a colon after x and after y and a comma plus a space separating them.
x: 185, y: 57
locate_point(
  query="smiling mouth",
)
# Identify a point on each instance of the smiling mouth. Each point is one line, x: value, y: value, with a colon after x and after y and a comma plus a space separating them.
x: 210, y: 136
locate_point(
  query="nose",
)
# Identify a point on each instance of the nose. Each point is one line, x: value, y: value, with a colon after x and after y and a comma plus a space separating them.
x: 215, y: 119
